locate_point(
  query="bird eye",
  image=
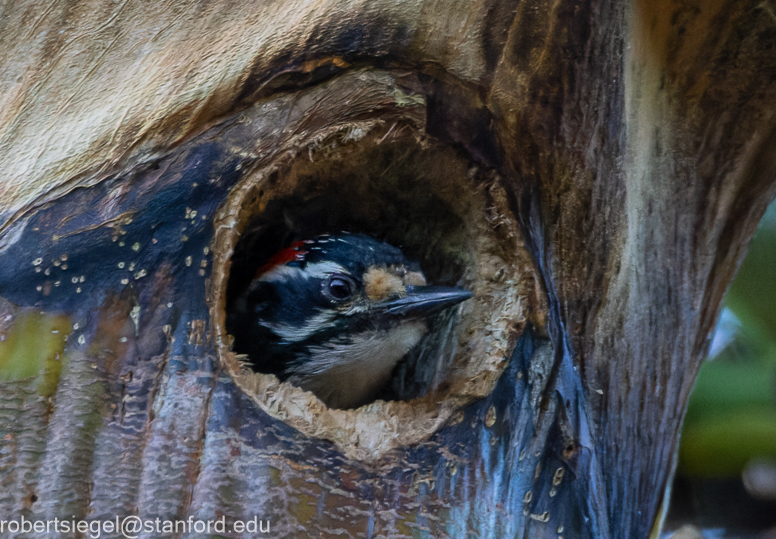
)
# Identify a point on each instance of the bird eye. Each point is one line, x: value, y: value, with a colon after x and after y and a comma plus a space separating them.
x: 339, y: 288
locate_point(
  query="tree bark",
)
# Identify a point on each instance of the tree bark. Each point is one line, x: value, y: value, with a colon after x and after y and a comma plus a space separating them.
x: 632, y: 143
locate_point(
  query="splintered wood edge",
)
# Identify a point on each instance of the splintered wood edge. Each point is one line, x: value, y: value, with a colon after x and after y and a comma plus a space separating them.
x: 490, y: 323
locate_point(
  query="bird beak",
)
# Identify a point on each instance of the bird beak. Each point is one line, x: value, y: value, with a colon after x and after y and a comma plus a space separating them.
x: 421, y: 301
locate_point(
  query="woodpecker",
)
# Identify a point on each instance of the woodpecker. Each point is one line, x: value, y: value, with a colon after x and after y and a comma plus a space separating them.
x: 335, y: 314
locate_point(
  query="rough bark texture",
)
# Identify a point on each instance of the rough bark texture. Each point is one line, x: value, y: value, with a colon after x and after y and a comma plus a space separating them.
x: 635, y: 142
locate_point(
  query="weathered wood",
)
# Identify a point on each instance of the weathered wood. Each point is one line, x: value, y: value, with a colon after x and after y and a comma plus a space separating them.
x: 649, y: 161
x: 633, y: 142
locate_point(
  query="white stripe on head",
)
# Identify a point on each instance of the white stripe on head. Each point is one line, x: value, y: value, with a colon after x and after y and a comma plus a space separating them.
x: 321, y: 270
x: 291, y: 334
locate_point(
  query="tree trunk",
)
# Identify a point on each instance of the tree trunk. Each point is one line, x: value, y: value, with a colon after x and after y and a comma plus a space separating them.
x: 593, y: 171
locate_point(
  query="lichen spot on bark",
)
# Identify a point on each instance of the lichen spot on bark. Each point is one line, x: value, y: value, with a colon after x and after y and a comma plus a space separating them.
x: 32, y: 347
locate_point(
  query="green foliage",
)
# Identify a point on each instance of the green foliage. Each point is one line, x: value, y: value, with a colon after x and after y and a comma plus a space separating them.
x: 731, y: 417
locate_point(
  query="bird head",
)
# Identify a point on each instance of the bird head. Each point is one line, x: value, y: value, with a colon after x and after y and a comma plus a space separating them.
x: 335, y: 314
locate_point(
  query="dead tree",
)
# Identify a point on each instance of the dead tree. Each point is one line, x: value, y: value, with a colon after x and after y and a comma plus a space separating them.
x: 591, y: 170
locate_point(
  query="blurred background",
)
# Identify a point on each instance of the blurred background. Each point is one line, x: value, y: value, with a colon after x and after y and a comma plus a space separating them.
x: 725, y: 484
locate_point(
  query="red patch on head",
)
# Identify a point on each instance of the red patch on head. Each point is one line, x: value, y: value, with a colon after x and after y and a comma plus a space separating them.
x: 284, y: 256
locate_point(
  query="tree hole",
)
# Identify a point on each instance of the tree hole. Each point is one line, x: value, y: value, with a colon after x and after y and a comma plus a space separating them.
x: 381, y: 194
x: 422, y: 196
